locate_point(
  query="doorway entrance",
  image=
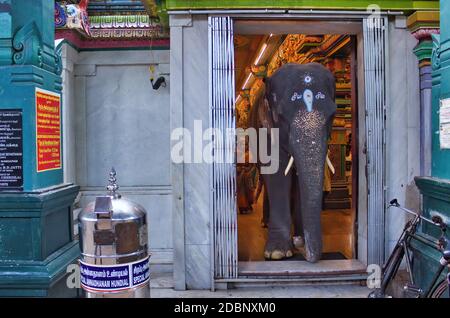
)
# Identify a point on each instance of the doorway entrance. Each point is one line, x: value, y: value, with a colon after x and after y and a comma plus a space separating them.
x: 258, y: 56
x: 356, y: 56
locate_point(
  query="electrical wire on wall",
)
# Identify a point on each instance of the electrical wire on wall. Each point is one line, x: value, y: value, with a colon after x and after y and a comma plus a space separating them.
x: 160, y: 79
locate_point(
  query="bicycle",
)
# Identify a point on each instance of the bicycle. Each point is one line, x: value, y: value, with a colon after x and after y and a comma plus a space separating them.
x: 401, y: 250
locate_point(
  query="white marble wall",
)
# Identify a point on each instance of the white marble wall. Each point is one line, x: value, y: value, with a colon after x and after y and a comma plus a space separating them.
x: 403, y: 129
x: 69, y: 58
x: 115, y: 118
x: 190, y: 58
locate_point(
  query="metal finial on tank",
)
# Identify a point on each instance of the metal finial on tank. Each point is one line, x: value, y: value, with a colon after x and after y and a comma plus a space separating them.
x: 112, y: 187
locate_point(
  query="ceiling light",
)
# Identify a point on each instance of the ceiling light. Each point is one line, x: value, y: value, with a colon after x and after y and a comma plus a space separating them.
x: 263, y: 49
x: 246, y: 81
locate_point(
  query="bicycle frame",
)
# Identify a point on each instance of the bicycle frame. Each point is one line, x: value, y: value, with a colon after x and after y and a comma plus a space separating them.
x: 401, y: 250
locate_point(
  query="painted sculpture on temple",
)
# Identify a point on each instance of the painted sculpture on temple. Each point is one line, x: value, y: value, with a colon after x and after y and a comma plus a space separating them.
x: 72, y: 15
x: 299, y: 101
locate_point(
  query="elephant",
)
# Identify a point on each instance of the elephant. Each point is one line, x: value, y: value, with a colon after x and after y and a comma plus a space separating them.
x: 299, y: 100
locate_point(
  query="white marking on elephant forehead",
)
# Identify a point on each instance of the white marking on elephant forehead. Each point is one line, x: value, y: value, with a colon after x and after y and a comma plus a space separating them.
x: 320, y: 95
x: 296, y: 96
x: 308, y: 99
x: 307, y: 78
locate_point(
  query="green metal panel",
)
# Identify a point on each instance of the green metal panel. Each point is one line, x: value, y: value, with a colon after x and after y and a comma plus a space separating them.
x: 6, y: 33
x: 35, y: 225
x: 301, y: 4
x: 436, y: 201
x: 18, y: 83
x: 12, y: 231
x: 441, y: 90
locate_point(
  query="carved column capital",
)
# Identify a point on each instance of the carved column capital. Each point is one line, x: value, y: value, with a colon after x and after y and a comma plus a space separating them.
x: 423, y: 24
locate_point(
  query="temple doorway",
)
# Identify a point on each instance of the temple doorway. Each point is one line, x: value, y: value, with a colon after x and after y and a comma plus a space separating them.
x: 242, y: 52
x: 260, y: 55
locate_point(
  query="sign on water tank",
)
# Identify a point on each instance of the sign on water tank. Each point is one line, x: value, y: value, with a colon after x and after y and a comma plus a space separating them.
x: 444, y: 124
x: 114, y: 278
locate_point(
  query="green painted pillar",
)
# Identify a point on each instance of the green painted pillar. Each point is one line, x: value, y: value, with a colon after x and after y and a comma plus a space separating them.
x: 435, y: 189
x: 36, y: 230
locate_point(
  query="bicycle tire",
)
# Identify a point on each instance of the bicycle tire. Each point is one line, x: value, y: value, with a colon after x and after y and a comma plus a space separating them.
x: 392, y: 268
x: 440, y: 289
x: 389, y: 272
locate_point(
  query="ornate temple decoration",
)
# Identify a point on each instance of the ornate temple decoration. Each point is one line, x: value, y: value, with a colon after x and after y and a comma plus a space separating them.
x: 126, y: 26
x: 29, y: 49
x: 112, y: 23
x: 423, y: 24
x: 72, y: 15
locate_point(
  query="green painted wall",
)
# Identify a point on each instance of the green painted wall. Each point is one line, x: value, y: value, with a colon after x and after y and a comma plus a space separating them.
x: 36, y: 236
x: 299, y: 4
x: 435, y: 189
x: 441, y: 90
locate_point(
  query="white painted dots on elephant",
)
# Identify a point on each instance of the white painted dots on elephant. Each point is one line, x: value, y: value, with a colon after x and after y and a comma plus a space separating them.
x: 308, y: 79
x: 307, y: 127
x: 320, y: 95
x: 296, y: 96
x: 307, y: 97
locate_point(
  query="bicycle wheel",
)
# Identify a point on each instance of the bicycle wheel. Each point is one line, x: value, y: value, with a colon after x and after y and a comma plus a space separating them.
x: 391, y: 269
x: 441, y: 290
x: 389, y: 272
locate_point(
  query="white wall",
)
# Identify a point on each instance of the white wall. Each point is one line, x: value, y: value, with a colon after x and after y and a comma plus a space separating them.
x: 189, y: 102
x: 403, y: 129
x: 113, y: 117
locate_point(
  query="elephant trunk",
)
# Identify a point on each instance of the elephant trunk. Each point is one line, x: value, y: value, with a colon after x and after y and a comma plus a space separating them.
x: 308, y: 142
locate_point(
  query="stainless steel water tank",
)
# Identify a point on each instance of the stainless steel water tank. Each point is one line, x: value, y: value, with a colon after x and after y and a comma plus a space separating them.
x: 114, y: 247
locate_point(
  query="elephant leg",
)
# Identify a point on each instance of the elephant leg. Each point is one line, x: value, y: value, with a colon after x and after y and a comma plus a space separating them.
x: 296, y: 215
x: 278, y: 186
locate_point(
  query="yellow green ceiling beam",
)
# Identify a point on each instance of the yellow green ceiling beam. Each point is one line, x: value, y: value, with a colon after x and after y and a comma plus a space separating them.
x: 407, y: 5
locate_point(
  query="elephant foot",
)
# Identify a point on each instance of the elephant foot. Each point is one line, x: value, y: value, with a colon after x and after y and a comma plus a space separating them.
x: 310, y: 256
x: 277, y: 255
x: 278, y: 250
x: 298, y: 242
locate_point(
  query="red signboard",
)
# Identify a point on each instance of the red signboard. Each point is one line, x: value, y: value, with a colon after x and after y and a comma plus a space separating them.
x: 48, y: 130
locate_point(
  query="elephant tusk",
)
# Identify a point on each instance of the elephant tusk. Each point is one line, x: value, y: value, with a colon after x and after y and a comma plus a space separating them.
x: 289, y: 166
x: 330, y: 165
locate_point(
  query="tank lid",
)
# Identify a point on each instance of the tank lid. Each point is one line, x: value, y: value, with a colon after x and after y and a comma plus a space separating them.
x: 111, y: 206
